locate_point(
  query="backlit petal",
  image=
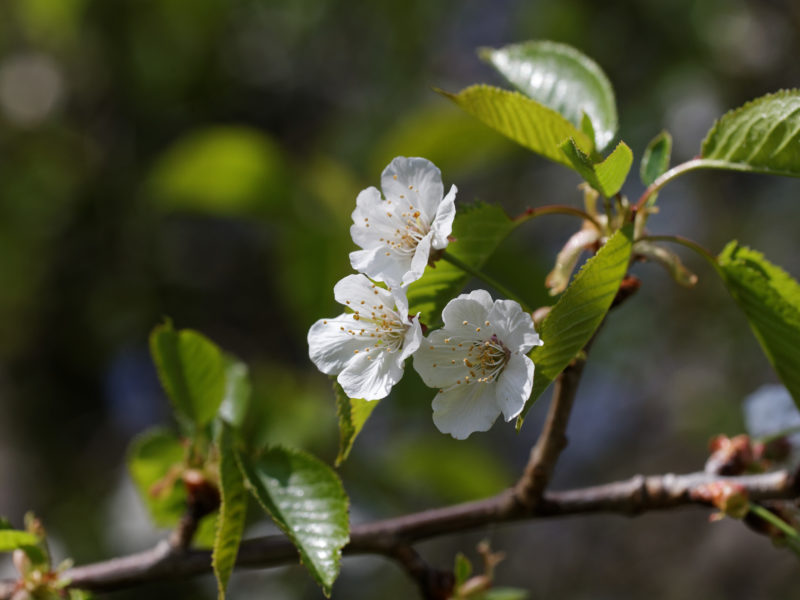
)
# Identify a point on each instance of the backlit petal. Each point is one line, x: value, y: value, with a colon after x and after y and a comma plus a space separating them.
x: 514, y: 385
x: 334, y: 342
x: 415, y: 182
x: 371, y: 375
x: 442, y: 225
x: 465, y: 409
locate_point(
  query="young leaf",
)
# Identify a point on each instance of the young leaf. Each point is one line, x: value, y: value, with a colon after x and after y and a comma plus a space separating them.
x: 770, y: 299
x: 153, y: 460
x: 561, y: 78
x: 527, y: 122
x: 578, y: 313
x: 232, y: 512
x: 12, y: 539
x: 761, y: 136
x: 352, y: 413
x: 655, y: 160
x: 462, y: 570
x: 477, y: 230
x: 192, y: 370
x: 306, y: 500
x: 607, y: 176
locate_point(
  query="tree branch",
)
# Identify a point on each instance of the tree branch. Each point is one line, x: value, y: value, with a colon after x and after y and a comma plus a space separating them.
x: 631, y: 497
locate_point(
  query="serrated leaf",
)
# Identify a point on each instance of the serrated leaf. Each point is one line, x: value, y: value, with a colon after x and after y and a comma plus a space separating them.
x: 307, y: 501
x: 606, y: 176
x: 572, y: 322
x: 477, y: 231
x: 770, y: 299
x: 352, y: 414
x: 12, y: 539
x: 192, y: 370
x: 655, y: 160
x: 761, y: 136
x: 236, y: 400
x: 153, y: 460
x: 563, y: 79
x: 525, y: 121
x: 232, y: 512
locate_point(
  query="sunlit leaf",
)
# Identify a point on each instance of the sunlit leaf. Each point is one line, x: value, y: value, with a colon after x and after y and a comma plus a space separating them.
x: 655, y: 160
x: 154, y: 461
x: 462, y: 570
x: 563, y: 79
x: 770, y: 298
x: 232, y: 512
x: 761, y: 136
x: 606, y: 176
x: 306, y: 500
x: 579, y: 311
x: 11, y: 539
x: 238, y: 389
x: 352, y: 414
x: 192, y: 370
x: 477, y: 231
x: 525, y: 121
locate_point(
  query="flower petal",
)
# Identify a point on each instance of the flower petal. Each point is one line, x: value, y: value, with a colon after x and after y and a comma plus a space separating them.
x: 414, y: 182
x: 370, y: 222
x: 381, y: 264
x: 472, y: 308
x: 465, y: 409
x: 412, y: 339
x: 513, y: 326
x: 442, y: 225
x: 440, y: 365
x: 420, y: 260
x: 371, y: 375
x: 514, y: 385
x: 363, y: 296
x: 333, y: 342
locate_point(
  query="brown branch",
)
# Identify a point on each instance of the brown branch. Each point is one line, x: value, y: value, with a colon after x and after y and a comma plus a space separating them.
x: 634, y: 496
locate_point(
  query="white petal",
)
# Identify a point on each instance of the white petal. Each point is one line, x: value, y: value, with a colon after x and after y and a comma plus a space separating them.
x: 420, y: 260
x: 472, y: 308
x: 371, y: 379
x: 412, y: 339
x: 442, y: 225
x: 369, y: 220
x: 465, y: 409
x: 332, y: 343
x: 414, y: 182
x: 440, y: 365
x: 514, y: 385
x: 360, y: 294
x: 513, y: 326
x: 381, y: 264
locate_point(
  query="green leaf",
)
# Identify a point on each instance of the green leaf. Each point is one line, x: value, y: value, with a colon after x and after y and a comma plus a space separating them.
x: 563, y: 79
x: 154, y: 460
x: 238, y: 389
x: 525, y: 121
x: 79, y: 595
x: 606, y: 176
x: 770, y: 299
x: 12, y: 539
x: 579, y: 311
x: 462, y: 570
x: 307, y: 501
x: 655, y: 160
x: 505, y: 594
x: 192, y: 370
x: 477, y: 230
x: 762, y: 136
x: 232, y: 512
x: 352, y: 413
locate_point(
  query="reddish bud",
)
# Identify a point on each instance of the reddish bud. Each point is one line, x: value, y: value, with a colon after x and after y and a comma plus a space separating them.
x: 730, y: 498
x: 730, y: 456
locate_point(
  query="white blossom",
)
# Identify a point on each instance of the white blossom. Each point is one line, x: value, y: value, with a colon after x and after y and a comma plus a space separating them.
x: 367, y: 347
x: 397, y: 232
x: 478, y: 361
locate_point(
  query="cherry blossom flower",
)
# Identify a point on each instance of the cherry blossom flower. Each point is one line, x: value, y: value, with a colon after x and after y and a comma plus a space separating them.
x: 397, y: 232
x: 478, y: 361
x: 367, y: 347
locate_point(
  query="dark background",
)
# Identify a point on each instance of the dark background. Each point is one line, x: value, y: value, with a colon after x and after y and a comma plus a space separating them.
x: 200, y: 159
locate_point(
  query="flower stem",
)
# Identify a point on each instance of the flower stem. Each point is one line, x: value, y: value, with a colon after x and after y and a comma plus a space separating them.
x: 678, y: 239
x: 457, y: 262
x: 775, y: 521
x: 557, y: 209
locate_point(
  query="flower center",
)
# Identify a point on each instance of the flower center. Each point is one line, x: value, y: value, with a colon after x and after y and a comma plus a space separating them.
x: 412, y: 229
x: 487, y: 359
x: 385, y: 326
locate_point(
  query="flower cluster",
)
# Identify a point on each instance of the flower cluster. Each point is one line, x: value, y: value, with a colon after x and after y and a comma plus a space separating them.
x: 477, y: 360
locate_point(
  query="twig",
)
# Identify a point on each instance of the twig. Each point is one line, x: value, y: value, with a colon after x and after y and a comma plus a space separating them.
x: 433, y: 584
x: 631, y: 497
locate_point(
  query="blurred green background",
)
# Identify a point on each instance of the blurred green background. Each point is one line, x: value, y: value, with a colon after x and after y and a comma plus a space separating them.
x: 199, y: 159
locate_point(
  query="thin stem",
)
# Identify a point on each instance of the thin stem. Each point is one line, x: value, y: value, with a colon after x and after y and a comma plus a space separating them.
x: 679, y: 239
x: 775, y: 521
x: 557, y: 209
x: 457, y: 262
x: 673, y: 173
